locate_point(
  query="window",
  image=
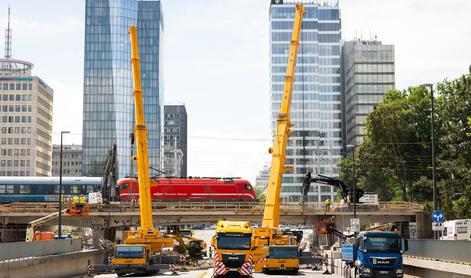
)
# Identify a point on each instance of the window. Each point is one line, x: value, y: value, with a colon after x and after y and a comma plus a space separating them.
x: 17, y: 97
x: 24, y: 87
x: 25, y: 189
x: 18, y: 87
x: 12, y: 86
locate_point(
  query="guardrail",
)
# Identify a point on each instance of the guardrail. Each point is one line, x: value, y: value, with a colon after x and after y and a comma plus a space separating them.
x: 444, y: 250
x: 252, y: 207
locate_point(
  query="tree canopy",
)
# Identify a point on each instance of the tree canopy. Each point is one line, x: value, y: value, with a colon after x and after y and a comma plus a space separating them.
x: 395, y: 158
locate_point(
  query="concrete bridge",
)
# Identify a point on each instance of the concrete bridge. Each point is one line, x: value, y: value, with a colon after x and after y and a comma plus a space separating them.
x: 118, y: 215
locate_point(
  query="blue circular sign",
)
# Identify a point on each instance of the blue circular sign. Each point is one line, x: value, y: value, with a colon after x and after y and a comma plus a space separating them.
x: 438, y: 216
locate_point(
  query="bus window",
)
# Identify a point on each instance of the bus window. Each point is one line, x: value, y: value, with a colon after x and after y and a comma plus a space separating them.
x: 25, y: 189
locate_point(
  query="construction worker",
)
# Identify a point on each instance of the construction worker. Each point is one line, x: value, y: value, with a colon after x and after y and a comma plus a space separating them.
x: 75, y: 200
x: 327, y: 204
x: 349, y: 200
x: 83, y: 199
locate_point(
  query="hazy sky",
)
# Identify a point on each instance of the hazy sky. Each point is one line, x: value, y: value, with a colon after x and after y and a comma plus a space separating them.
x: 216, y: 61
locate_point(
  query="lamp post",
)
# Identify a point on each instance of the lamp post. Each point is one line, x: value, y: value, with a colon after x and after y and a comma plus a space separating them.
x: 434, y: 183
x: 60, y: 188
x: 354, y: 180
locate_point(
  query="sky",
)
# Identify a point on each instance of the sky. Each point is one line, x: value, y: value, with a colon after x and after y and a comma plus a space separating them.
x: 216, y: 61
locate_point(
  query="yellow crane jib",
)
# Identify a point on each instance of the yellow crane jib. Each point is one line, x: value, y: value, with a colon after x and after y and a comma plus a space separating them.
x: 140, y: 132
x: 274, y: 250
x: 271, y: 216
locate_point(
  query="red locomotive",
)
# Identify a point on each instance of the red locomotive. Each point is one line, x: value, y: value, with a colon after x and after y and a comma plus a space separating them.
x: 191, y: 189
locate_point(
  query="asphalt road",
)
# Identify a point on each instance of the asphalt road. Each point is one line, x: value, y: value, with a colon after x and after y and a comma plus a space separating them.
x: 207, y: 274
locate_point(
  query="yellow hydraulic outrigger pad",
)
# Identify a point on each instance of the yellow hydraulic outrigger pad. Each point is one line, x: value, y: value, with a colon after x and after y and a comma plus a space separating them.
x: 271, y: 215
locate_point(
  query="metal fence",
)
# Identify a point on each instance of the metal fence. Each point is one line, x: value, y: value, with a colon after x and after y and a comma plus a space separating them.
x: 16, y: 250
x: 253, y: 207
x: 446, y: 250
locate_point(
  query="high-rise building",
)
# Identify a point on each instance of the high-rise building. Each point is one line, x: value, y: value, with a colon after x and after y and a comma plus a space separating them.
x: 261, y: 181
x: 315, y: 144
x: 25, y: 118
x: 71, y: 160
x: 368, y: 69
x: 175, y: 138
x: 108, y: 110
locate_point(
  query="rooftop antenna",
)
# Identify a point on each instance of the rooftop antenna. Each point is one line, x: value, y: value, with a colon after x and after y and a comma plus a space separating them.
x: 8, y: 37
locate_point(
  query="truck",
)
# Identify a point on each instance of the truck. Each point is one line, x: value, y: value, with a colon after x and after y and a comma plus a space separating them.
x: 459, y: 229
x: 232, y: 249
x: 375, y: 254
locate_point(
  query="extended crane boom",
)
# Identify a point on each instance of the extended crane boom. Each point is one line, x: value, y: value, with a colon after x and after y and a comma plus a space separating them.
x: 142, y: 249
x: 140, y: 132
x: 271, y: 214
x: 268, y: 240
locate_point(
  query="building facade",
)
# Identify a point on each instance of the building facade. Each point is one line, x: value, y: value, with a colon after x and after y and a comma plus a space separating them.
x: 175, y: 138
x: 25, y: 118
x: 108, y: 110
x: 71, y: 160
x: 315, y: 144
x: 368, y: 69
x: 261, y: 181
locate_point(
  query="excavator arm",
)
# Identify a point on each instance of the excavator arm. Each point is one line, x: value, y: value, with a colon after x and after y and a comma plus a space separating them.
x: 344, y: 190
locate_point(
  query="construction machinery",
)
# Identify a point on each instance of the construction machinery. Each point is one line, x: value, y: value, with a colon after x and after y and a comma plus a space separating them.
x: 31, y: 234
x: 187, y: 244
x: 348, y: 194
x: 109, y: 176
x: 232, y: 249
x: 273, y: 250
x: 143, y: 249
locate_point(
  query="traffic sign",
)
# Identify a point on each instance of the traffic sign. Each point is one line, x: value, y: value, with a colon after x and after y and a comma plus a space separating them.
x: 437, y: 226
x: 355, y: 225
x: 438, y: 216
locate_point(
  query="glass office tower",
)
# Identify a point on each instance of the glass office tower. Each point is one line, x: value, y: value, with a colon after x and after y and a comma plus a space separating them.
x: 315, y: 144
x: 108, y: 110
x: 368, y: 67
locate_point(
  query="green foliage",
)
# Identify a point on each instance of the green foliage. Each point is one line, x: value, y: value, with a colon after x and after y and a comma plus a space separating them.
x: 395, y: 158
x: 260, y: 194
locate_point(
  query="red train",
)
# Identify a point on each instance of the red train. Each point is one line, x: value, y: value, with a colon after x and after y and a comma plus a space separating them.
x: 191, y: 189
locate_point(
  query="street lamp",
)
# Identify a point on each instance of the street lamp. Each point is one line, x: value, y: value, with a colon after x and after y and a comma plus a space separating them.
x: 435, y: 205
x: 354, y: 179
x: 60, y: 188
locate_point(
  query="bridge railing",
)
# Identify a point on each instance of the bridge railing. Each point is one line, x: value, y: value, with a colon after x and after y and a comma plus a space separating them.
x: 215, y: 206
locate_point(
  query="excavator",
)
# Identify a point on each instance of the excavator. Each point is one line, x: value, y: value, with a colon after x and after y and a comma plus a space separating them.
x: 347, y: 193
x: 274, y: 250
x: 143, y: 249
x: 187, y: 244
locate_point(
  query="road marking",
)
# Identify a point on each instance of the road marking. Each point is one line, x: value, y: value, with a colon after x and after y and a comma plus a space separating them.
x: 205, y: 275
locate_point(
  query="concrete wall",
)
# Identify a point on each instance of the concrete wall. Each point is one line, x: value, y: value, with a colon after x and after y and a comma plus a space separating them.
x: 13, y: 250
x: 65, y: 265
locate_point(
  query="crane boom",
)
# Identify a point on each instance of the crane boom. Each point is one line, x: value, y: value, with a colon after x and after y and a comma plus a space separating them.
x: 140, y: 131
x: 271, y: 214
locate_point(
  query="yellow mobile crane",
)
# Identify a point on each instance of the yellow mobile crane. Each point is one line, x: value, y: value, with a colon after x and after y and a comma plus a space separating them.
x: 142, y: 249
x: 273, y: 250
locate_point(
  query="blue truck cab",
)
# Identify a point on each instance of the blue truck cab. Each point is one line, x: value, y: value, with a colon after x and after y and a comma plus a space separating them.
x: 376, y: 254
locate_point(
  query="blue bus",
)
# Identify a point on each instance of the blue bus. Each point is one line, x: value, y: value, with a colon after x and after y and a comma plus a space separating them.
x: 44, y: 189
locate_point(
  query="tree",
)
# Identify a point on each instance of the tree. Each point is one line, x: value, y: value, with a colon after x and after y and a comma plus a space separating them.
x: 260, y: 195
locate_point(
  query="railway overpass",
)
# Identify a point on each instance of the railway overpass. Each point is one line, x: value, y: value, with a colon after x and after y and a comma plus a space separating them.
x: 14, y: 217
